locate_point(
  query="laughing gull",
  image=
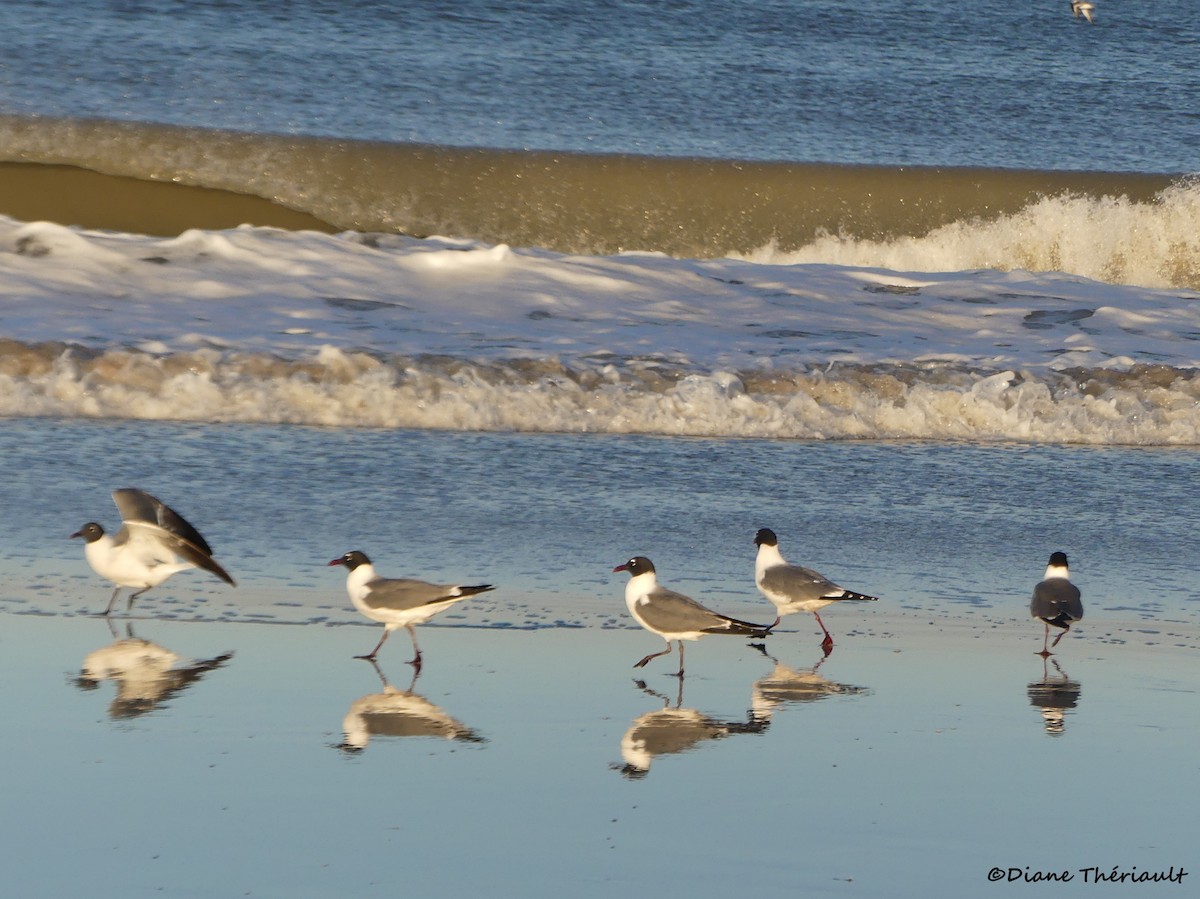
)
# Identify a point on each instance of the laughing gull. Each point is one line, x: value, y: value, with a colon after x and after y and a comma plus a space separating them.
x: 1082, y: 9
x: 398, y: 602
x: 154, y: 542
x: 399, y: 713
x: 671, y: 730
x: 793, y: 588
x: 674, y: 616
x: 787, y: 686
x: 1055, y: 695
x: 146, y: 674
x: 1056, y: 600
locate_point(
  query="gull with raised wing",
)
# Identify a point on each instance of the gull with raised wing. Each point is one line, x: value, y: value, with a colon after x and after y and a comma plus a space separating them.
x: 795, y: 589
x: 674, y: 616
x: 1056, y: 600
x: 398, y: 602
x: 154, y: 542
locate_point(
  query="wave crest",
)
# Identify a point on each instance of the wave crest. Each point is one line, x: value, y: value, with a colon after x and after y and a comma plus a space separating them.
x: 1145, y: 405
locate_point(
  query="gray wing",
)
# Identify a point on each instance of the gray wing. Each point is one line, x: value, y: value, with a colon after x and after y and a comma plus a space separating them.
x: 403, y: 594
x: 673, y: 613
x: 149, y: 518
x: 673, y: 730
x: 798, y: 584
x: 1056, y: 596
x: 138, y: 507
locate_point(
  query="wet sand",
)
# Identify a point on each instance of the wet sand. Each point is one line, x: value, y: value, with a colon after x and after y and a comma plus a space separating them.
x: 932, y: 746
x: 262, y: 759
x: 75, y: 196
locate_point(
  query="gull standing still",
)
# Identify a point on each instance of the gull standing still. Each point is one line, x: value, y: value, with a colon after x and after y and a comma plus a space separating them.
x: 398, y: 602
x: 795, y: 589
x: 674, y: 616
x: 154, y: 542
x: 1056, y: 600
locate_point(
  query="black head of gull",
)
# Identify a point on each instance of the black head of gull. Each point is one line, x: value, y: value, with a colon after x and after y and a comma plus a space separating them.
x: 352, y: 559
x: 765, y: 537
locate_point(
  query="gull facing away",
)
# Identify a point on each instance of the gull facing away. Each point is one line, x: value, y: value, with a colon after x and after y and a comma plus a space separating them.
x: 1056, y: 600
x: 674, y: 616
x: 398, y: 602
x: 795, y: 589
x: 154, y: 542
x: 1084, y: 10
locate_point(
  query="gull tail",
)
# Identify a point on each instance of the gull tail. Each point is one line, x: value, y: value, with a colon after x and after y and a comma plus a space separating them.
x: 202, y: 560
x: 1062, y: 619
x: 736, y: 628
x: 472, y: 590
x: 850, y: 595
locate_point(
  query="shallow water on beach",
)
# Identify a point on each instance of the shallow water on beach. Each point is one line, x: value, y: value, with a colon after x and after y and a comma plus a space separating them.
x: 530, y: 761
x: 932, y: 745
x: 935, y: 527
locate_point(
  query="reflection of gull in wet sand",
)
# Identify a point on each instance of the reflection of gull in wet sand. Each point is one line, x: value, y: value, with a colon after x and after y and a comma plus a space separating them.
x: 792, y: 588
x: 398, y: 602
x: 146, y: 674
x: 787, y: 685
x: 1079, y: 9
x: 154, y: 542
x: 399, y: 713
x: 672, y: 615
x: 1055, y: 696
x: 1056, y: 600
x: 672, y: 730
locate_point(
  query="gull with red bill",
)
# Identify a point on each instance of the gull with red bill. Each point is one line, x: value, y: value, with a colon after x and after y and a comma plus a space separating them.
x: 674, y: 616
x: 398, y: 602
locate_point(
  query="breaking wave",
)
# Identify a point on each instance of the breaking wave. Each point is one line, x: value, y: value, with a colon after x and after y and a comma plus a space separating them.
x: 1144, y: 405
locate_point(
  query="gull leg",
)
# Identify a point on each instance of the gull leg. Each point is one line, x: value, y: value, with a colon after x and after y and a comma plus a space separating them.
x: 655, y: 655
x: 1045, y: 639
x: 112, y: 600
x: 679, y: 673
x: 370, y: 657
x: 1060, y: 636
x: 415, y: 661
x: 827, y: 643
x: 133, y: 596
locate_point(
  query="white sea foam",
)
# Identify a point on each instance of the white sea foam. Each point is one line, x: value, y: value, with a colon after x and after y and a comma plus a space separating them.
x: 386, y: 331
x: 1109, y: 239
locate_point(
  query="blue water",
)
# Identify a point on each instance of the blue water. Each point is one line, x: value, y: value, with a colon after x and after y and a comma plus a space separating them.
x: 938, y: 529
x: 236, y: 786
x: 889, y: 82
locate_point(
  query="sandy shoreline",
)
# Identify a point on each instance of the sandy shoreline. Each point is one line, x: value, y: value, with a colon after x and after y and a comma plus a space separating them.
x: 75, y: 196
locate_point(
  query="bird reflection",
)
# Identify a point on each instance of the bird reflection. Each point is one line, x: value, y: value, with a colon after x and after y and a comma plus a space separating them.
x: 399, y: 713
x: 786, y: 685
x: 146, y: 674
x: 1055, y: 694
x: 673, y: 729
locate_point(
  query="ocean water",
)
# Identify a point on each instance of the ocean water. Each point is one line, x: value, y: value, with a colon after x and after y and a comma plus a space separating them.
x: 511, y: 292
x: 212, y: 722
x: 809, y: 220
